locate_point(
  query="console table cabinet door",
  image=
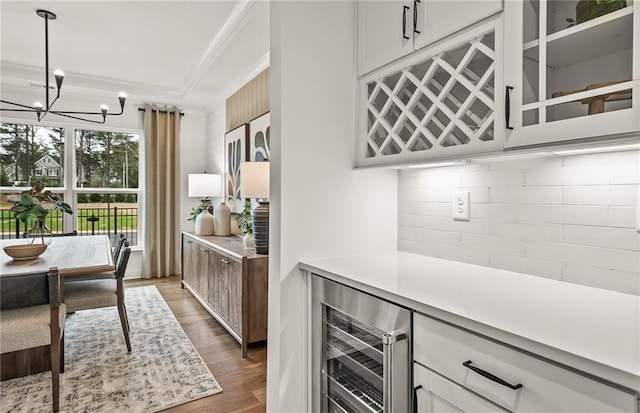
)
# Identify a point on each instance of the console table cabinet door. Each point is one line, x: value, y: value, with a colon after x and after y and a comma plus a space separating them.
x: 234, y: 294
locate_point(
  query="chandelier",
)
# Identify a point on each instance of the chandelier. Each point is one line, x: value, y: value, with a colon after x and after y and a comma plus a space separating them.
x: 41, y: 110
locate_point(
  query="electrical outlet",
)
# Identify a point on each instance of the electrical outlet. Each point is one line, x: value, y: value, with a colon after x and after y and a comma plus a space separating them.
x: 460, y: 205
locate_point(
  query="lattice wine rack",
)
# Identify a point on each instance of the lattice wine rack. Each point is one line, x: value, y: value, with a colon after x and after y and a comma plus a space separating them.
x: 443, y: 102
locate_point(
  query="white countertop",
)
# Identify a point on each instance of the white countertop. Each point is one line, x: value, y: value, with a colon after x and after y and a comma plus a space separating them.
x: 593, y: 330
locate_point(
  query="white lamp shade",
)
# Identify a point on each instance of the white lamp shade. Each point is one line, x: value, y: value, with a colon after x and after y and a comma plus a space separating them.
x: 203, y: 185
x: 254, y: 181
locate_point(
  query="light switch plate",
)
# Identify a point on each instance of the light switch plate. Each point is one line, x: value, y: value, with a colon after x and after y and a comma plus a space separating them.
x: 460, y: 205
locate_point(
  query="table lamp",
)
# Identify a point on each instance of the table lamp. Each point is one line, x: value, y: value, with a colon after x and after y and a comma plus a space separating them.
x: 255, y: 184
x: 204, y: 186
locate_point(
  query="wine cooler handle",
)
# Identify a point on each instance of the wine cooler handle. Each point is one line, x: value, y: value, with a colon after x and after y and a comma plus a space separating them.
x: 490, y: 376
x: 507, y: 106
x: 390, y: 345
x: 415, y: 398
x: 404, y: 22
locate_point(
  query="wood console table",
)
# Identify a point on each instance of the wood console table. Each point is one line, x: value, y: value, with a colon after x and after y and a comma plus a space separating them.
x: 230, y: 282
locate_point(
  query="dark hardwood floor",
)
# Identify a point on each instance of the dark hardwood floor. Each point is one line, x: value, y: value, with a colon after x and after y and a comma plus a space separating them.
x: 243, y: 381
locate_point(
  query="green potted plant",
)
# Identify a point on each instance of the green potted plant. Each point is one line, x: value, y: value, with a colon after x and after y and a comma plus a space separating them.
x: 245, y: 223
x: 205, y: 203
x: 37, y: 203
x: 590, y: 9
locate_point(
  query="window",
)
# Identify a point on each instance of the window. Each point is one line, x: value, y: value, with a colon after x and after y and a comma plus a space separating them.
x: 100, y: 178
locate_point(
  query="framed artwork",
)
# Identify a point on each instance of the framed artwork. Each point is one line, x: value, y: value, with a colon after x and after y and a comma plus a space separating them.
x: 260, y: 138
x: 235, y: 152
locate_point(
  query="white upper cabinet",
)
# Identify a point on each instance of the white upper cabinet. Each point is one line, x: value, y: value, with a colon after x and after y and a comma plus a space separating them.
x: 385, y: 32
x: 435, y: 104
x: 436, y: 19
x: 572, y: 70
x: 391, y: 29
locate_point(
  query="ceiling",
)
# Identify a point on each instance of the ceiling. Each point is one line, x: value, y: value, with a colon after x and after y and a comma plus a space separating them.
x: 191, y: 54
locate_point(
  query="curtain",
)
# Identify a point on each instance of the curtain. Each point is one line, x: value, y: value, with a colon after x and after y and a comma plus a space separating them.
x: 161, y: 256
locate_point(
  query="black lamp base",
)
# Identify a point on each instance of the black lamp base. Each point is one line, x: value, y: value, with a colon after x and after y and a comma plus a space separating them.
x: 260, y: 217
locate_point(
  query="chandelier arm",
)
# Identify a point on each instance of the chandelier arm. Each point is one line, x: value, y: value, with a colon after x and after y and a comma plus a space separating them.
x: 17, y: 110
x: 79, y: 118
x: 17, y: 104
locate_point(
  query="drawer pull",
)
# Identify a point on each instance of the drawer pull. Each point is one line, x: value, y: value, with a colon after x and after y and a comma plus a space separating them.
x: 490, y: 376
x: 204, y: 250
x: 225, y: 260
x: 415, y: 397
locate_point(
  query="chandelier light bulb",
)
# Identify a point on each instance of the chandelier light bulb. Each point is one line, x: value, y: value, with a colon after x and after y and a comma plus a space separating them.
x: 104, y: 108
x: 122, y: 95
x: 59, y: 73
x: 37, y: 105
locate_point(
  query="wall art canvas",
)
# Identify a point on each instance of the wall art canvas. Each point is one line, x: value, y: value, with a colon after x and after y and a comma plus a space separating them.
x: 236, y: 152
x: 260, y: 140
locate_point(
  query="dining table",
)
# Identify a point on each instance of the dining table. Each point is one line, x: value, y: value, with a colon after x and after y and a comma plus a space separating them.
x: 72, y: 255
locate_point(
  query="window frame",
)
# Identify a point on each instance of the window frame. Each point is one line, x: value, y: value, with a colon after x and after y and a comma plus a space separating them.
x: 69, y: 188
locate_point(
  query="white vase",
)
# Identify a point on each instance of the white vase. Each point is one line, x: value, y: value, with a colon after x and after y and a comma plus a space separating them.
x: 247, y: 241
x: 204, y: 223
x: 222, y: 217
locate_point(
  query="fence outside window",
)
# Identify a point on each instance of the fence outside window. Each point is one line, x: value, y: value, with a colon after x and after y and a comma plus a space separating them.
x: 89, y: 221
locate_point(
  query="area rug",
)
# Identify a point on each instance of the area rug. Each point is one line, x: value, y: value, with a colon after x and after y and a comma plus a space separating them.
x: 162, y: 370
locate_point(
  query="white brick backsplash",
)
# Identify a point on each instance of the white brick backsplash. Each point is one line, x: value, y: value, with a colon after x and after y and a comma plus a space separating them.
x: 428, y: 179
x: 491, y: 243
x: 541, y: 232
x: 574, y: 254
x: 555, y: 214
x: 417, y: 247
x: 493, y: 178
x: 570, y: 218
x: 470, y: 256
x: 504, y: 212
x: 526, y: 195
x: 622, y: 217
x: 568, y: 175
x: 527, y: 265
x: 437, y: 237
x: 620, y: 238
x: 625, y: 173
x: 624, y: 282
x: 618, y: 195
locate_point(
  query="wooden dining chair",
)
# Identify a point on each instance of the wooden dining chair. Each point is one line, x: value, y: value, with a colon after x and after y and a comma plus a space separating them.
x: 115, y: 250
x: 98, y: 293
x: 32, y: 317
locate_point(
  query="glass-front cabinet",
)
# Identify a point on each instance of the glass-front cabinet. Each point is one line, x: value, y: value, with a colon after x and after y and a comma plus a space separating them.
x: 572, y: 69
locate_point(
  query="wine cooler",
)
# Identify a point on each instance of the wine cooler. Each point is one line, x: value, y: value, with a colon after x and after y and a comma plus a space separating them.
x: 361, y: 356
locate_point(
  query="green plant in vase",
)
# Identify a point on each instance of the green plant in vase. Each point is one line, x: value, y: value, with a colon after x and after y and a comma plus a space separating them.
x: 37, y: 203
x: 205, y: 203
x: 245, y: 223
x: 590, y: 9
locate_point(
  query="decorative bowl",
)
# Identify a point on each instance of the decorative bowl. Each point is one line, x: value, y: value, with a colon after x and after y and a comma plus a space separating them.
x: 25, y: 251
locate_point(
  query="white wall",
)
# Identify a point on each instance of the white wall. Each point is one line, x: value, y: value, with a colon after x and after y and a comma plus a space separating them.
x: 319, y: 206
x: 569, y: 218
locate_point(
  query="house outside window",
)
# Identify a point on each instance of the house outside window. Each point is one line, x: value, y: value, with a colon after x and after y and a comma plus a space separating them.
x: 95, y: 171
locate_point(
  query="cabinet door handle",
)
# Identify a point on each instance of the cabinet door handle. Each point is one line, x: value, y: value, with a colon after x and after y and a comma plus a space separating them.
x: 415, y: 16
x: 225, y: 260
x: 507, y: 106
x: 404, y: 22
x: 415, y: 398
x: 490, y: 376
x: 204, y: 250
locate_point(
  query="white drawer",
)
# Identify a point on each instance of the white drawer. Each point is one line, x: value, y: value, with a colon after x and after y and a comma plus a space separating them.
x: 437, y: 394
x: 545, y: 387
